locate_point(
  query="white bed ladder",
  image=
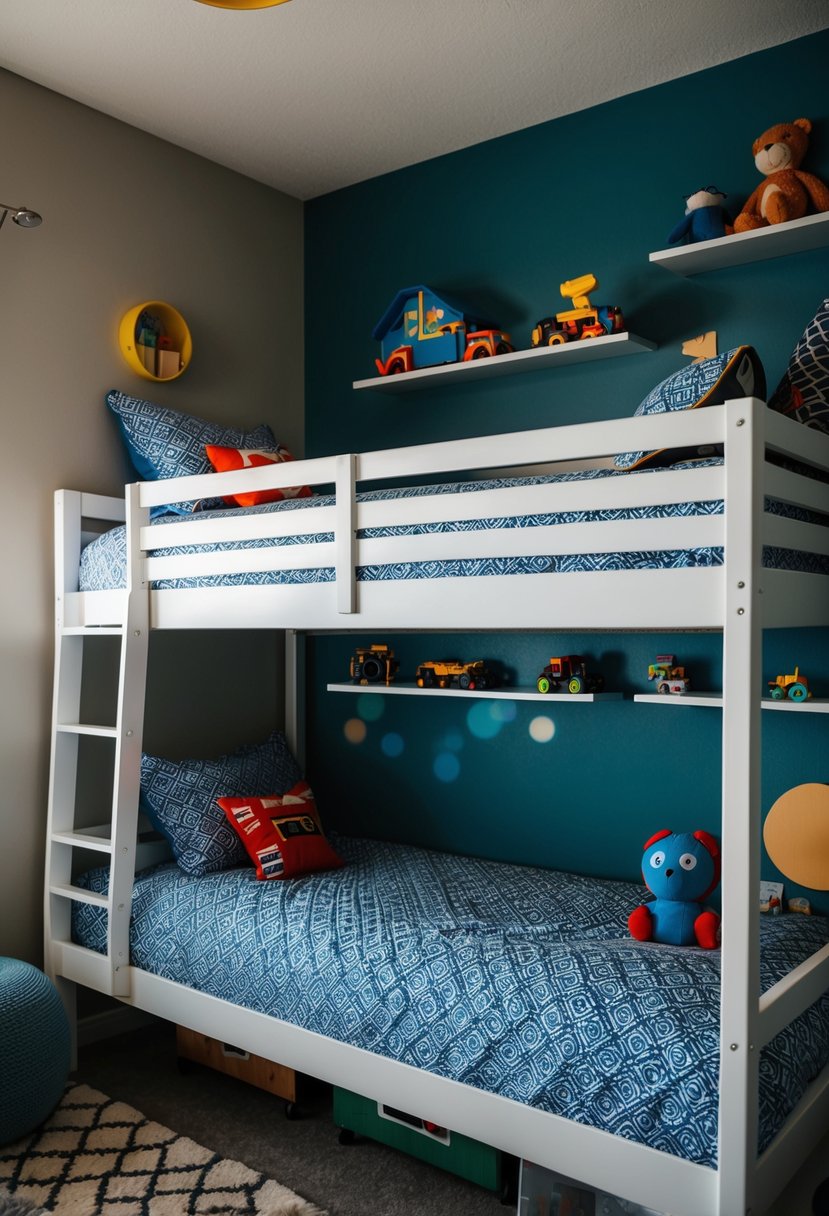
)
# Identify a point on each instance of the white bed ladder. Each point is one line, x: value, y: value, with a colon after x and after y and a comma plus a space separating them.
x: 117, y: 839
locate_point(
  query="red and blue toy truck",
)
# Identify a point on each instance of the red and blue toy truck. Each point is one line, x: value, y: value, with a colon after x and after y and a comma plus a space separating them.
x: 421, y: 329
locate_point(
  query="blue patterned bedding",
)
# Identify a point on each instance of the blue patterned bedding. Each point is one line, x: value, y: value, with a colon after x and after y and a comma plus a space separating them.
x: 513, y: 979
x: 103, y: 562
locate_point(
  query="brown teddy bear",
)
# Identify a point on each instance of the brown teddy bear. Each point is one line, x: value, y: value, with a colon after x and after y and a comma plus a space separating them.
x: 787, y: 192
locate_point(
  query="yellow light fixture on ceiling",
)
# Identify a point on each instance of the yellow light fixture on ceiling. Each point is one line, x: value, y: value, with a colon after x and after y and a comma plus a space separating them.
x: 243, y: 3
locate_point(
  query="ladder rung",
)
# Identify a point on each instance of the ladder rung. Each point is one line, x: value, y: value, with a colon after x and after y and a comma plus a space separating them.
x: 67, y: 891
x: 81, y: 728
x: 84, y: 840
x: 95, y: 631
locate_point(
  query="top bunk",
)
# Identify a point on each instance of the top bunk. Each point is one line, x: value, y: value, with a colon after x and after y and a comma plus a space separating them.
x: 485, y: 533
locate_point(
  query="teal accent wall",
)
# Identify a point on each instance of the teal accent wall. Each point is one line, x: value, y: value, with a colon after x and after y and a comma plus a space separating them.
x: 499, y: 226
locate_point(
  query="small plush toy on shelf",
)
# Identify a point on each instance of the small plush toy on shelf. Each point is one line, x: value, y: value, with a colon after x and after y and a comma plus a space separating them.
x: 682, y: 869
x: 705, y: 217
x: 788, y: 193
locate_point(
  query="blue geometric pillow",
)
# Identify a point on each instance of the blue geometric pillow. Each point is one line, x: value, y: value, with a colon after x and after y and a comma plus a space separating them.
x: 803, y: 393
x: 736, y: 373
x: 162, y: 442
x: 179, y: 797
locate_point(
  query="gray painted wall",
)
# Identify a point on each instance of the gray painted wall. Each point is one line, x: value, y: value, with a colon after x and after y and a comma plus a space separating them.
x: 127, y: 218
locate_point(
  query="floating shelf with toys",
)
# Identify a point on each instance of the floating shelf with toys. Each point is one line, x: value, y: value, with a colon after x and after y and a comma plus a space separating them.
x: 424, y: 338
x: 796, y: 236
x: 787, y: 213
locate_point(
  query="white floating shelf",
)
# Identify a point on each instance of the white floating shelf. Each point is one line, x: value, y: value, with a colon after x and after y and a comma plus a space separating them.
x: 711, y: 699
x: 507, y: 694
x: 610, y: 346
x: 796, y: 236
x: 715, y: 699
x: 815, y: 705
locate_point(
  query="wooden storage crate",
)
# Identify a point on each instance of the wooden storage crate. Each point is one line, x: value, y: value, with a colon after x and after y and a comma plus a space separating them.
x: 224, y: 1057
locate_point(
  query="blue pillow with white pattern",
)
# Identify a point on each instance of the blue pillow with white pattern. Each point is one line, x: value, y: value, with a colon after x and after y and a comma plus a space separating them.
x: 179, y: 798
x: 733, y: 374
x: 163, y: 442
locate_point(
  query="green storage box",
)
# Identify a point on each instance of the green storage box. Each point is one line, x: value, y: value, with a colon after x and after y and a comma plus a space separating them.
x: 430, y: 1142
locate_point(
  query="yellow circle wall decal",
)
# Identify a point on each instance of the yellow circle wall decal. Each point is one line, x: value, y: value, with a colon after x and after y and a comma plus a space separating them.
x: 796, y: 835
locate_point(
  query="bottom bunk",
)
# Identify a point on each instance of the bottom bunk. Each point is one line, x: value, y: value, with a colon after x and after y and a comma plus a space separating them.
x: 511, y: 980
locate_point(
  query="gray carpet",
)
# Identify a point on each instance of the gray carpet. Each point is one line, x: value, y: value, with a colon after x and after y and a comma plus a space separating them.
x: 247, y: 1124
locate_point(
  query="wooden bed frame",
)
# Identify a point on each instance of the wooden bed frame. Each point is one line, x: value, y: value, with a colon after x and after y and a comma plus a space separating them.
x: 738, y: 598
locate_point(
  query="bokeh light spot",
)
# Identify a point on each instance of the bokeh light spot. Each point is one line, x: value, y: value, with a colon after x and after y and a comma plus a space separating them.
x: 355, y: 730
x: 542, y: 729
x: 483, y: 719
x: 447, y: 767
x: 371, y: 706
x: 392, y: 745
x: 452, y: 741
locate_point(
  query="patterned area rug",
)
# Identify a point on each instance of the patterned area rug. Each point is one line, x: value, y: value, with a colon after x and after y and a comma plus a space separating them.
x: 97, y: 1157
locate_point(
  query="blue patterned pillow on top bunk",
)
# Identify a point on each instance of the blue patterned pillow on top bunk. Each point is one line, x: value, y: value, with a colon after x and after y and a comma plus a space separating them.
x: 803, y: 392
x: 179, y: 798
x: 162, y: 442
x: 735, y: 373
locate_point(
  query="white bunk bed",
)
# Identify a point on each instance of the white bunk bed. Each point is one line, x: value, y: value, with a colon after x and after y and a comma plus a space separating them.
x: 739, y: 596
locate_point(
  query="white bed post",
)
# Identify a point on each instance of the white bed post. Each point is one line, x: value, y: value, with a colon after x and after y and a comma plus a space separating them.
x: 742, y: 656
x: 295, y: 725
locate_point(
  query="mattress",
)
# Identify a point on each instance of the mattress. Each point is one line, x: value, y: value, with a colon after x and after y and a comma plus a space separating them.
x: 513, y: 979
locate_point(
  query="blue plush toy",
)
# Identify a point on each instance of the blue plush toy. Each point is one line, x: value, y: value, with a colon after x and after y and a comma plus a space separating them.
x: 705, y: 217
x: 681, y: 869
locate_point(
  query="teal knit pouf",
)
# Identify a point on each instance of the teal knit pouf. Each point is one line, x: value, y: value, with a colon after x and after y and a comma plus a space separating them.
x: 34, y: 1048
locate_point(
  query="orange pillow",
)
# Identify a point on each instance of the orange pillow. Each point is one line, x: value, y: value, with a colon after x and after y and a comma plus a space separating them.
x: 227, y: 459
x: 282, y: 834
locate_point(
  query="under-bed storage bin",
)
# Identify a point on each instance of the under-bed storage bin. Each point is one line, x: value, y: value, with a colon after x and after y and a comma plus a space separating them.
x: 430, y: 1142
x: 224, y: 1057
x: 542, y: 1192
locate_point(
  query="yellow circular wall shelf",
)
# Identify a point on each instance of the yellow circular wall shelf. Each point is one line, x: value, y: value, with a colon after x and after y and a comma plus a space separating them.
x: 243, y: 3
x: 161, y: 364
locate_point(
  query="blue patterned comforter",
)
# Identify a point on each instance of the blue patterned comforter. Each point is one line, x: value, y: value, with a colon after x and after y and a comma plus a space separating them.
x: 103, y: 562
x: 513, y: 979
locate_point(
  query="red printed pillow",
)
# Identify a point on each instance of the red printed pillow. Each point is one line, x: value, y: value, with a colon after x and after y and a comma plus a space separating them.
x: 226, y: 459
x: 282, y: 834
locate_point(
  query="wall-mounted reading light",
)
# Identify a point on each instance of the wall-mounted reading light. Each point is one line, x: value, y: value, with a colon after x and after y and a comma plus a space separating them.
x: 240, y: 4
x: 21, y: 215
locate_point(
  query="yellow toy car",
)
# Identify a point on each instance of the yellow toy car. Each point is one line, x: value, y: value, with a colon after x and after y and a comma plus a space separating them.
x: 452, y: 673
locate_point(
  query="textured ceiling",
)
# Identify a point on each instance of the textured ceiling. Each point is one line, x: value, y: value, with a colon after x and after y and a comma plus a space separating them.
x: 318, y: 94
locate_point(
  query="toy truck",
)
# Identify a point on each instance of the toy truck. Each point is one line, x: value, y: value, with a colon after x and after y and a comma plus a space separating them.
x: 794, y: 686
x: 452, y: 673
x: 669, y: 678
x: 570, y: 670
x: 583, y: 320
x: 421, y: 329
x: 373, y: 664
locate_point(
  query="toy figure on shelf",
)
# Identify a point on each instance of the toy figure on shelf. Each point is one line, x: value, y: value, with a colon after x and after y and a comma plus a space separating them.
x: 374, y: 664
x: 452, y: 673
x: 705, y: 217
x: 583, y: 320
x: 795, y: 687
x: 788, y: 193
x: 571, y: 671
x: 669, y: 678
x: 681, y: 870
x: 420, y: 329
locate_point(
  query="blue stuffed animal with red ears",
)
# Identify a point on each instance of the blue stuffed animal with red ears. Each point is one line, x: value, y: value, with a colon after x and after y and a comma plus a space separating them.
x: 681, y: 869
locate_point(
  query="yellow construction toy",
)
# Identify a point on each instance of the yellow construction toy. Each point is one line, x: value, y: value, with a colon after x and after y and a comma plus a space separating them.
x: 583, y: 320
